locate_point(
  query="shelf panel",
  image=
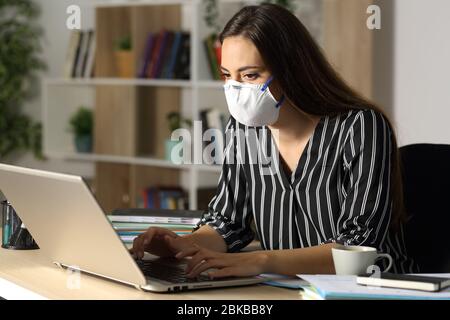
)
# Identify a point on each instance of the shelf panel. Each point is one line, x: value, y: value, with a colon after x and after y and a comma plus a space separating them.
x: 146, y: 161
x: 210, y: 84
x: 203, y: 84
x: 131, y: 3
x: 118, y: 82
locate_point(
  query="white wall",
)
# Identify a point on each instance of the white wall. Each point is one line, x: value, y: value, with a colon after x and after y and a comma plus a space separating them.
x: 422, y: 71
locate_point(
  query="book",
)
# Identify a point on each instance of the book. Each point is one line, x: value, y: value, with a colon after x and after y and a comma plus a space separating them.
x: 155, y: 51
x: 71, y: 53
x: 173, y: 55
x: 332, y: 287
x: 165, y: 55
x: 159, y: 54
x: 160, y: 220
x: 310, y: 293
x: 77, y: 58
x: 158, y: 213
x: 211, y: 55
x: 90, y: 61
x: 129, y: 223
x: 136, y: 233
x: 147, y: 55
x: 163, y: 198
x: 84, y: 50
x: 182, y: 65
x: 204, y: 120
x: 128, y: 239
x: 282, y: 281
x: 404, y: 281
x: 224, y: 119
x: 167, y: 198
x: 213, y: 118
x: 218, y: 52
x: 137, y: 226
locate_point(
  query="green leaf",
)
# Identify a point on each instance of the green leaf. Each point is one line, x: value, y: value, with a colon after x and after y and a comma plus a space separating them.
x: 19, y: 62
x: 82, y: 122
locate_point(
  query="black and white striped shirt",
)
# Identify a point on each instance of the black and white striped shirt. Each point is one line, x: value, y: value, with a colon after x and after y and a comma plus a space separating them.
x: 339, y: 191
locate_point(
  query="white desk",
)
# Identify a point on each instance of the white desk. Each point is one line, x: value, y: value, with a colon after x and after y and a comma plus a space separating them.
x: 31, y: 270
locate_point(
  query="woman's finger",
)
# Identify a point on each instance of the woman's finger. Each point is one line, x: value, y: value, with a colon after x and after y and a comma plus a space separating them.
x: 177, y: 244
x: 208, y: 264
x: 136, y: 246
x: 142, y: 241
x: 196, y: 259
x: 202, y: 266
x: 224, y: 272
x: 188, y: 252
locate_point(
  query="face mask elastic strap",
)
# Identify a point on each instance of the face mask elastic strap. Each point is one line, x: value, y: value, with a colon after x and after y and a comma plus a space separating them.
x: 264, y: 87
x: 283, y: 97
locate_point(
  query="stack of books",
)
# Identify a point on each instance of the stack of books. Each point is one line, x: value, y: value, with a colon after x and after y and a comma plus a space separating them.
x: 166, y: 56
x: 163, y: 198
x: 80, y: 57
x: 213, y: 118
x: 129, y: 223
x: 213, y: 50
x: 334, y: 287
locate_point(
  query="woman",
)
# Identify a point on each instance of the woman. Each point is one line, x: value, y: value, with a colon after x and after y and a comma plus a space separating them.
x: 336, y: 179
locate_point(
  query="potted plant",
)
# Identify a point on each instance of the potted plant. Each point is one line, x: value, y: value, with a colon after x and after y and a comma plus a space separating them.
x: 124, y: 57
x: 20, y: 60
x: 81, y: 124
x: 176, y: 121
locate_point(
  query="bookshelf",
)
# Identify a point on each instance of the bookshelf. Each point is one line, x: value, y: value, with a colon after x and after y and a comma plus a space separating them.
x: 130, y: 113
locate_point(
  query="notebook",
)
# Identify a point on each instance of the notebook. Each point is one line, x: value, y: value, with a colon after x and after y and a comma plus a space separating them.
x: 331, y: 287
x: 404, y: 281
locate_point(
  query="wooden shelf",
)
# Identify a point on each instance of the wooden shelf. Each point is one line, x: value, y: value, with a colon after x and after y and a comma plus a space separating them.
x: 129, y: 3
x: 141, y: 160
x: 203, y: 84
x: 210, y: 84
x: 119, y: 82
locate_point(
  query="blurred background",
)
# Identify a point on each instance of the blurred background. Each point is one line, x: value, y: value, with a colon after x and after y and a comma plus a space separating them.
x: 101, y: 101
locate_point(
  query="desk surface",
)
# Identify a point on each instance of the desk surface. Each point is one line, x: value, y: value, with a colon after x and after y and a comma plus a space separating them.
x: 35, y: 272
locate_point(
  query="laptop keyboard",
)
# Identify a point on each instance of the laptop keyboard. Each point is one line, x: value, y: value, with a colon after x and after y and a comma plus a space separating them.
x: 166, y: 272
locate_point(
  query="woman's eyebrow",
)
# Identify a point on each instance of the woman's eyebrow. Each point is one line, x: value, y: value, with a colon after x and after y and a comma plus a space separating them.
x: 241, y: 68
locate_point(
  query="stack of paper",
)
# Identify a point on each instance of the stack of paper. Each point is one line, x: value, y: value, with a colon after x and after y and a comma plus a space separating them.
x: 331, y: 287
x: 277, y: 280
x: 129, y: 227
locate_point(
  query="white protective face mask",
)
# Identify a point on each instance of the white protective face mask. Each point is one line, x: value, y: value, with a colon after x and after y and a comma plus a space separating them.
x: 252, y: 104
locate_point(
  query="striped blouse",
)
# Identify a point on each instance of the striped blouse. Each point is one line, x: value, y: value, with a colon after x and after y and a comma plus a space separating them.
x: 339, y: 191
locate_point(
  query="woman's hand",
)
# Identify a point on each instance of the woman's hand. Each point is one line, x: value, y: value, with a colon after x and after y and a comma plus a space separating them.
x: 160, y: 242
x: 227, y: 264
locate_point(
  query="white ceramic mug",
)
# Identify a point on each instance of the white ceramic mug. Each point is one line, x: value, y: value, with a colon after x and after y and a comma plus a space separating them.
x: 356, y: 260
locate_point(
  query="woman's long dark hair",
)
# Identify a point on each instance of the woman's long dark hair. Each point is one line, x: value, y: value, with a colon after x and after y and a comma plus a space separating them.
x: 305, y: 75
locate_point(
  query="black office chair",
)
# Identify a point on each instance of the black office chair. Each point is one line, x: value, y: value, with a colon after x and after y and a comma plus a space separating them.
x: 426, y: 179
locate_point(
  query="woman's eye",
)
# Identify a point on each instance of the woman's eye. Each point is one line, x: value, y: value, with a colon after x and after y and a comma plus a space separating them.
x: 225, y: 75
x: 252, y: 76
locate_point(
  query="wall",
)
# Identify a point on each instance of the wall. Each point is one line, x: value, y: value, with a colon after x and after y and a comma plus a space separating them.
x: 421, y: 84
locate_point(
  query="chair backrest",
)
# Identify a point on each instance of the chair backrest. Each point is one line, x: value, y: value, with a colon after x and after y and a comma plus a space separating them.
x: 426, y: 179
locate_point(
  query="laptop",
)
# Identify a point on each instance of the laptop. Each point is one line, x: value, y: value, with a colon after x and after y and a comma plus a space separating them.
x: 70, y: 227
